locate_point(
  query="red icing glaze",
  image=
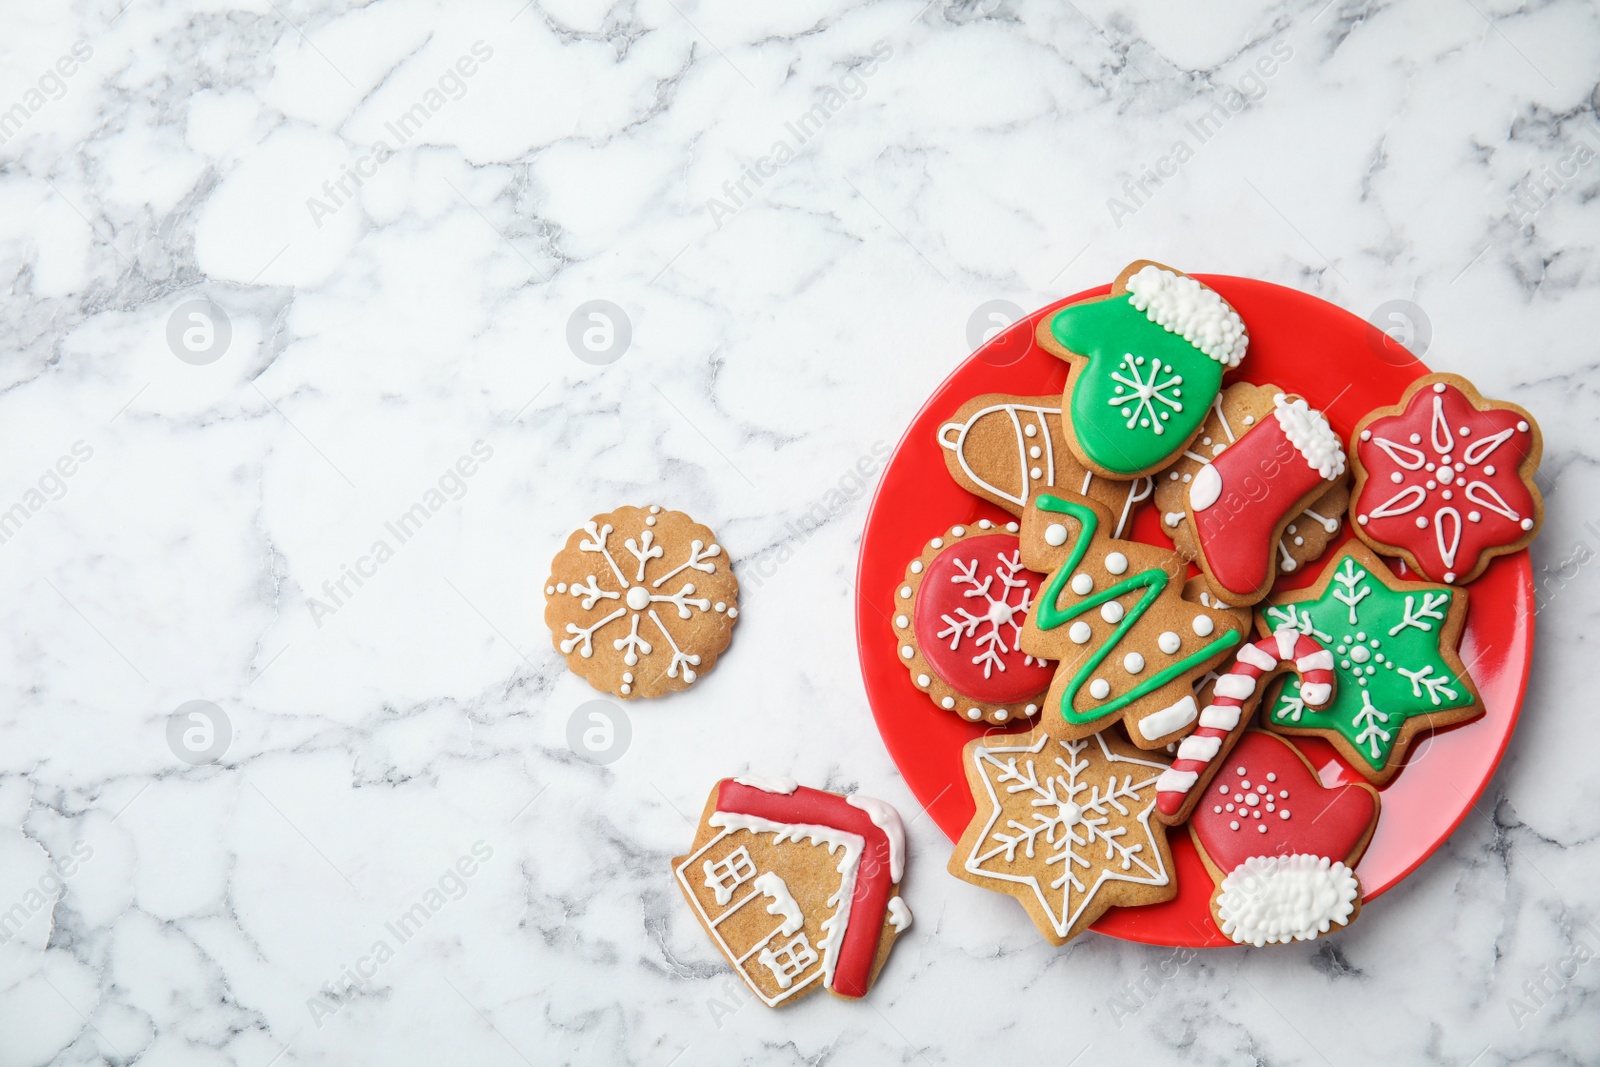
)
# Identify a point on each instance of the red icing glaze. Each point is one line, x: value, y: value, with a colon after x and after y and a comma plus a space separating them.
x: 986, y: 663
x: 1409, y: 480
x: 874, y: 886
x: 1263, y: 479
x: 1321, y: 822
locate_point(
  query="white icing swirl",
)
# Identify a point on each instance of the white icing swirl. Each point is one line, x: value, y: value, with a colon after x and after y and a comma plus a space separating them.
x: 1269, y: 900
x: 1183, y: 306
x: 1309, y: 432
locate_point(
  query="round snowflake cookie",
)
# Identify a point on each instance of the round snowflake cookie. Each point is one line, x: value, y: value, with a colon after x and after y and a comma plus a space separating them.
x: 958, y: 616
x: 641, y: 601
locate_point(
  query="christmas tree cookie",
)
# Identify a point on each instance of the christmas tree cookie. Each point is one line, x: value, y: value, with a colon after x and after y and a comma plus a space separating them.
x: 1118, y: 619
x: 1147, y: 362
x: 1445, y: 479
x: 1395, y: 661
x: 1065, y: 826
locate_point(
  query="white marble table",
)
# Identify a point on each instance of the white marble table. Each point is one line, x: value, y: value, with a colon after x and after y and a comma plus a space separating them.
x: 398, y: 207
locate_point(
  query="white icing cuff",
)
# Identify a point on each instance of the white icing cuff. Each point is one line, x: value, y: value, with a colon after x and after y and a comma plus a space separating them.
x: 1321, y: 660
x: 1256, y: 658
x: 1316, y: 693
x: 1235, y: 686
x: 1199, y: 748
x: 1220, y: 716
x: 1309, y: 432
x: 1171, y: 781
x: 1205, y: 488
x: 1168, y: 719
x: 1269, y: 900
x: 1183, y: 306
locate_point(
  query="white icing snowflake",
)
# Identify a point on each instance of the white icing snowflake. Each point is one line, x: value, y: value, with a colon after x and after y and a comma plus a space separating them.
x: 1000, y: 613
x: 1141, y: 389
x: 637, y: 597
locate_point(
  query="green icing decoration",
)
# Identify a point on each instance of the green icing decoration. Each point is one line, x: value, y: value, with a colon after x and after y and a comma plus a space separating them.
x: 1385, y: 645
x: 1167, y: 383
x: 1152, y: 581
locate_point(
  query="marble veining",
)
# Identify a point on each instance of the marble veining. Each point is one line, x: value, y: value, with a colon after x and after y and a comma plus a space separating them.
x: 280, y: 272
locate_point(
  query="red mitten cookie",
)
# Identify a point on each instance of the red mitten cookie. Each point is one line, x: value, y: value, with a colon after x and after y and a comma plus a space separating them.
x: 958, y: 620
x: 1280, y: 845
x: 1445, y: 479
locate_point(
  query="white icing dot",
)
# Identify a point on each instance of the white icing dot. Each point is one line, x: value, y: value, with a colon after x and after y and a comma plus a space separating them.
x: 948, y: 702
x: 1000, y: 714
x: 1217, y: 808
x: 916, y: 566
x: 1271, y: 777
x: 1116, y: 563
x: 1055, y: 535
x: 1034, y: 452
x: 1031, y: 709
x: 1080, y: 632
x: 1030, y: 430
x: 974, y: 713
x: 1234, y: 825
x: 1397, y: 478
x: 627, y: 676
x: 1416, y: 438
x: 1438, y: 387
x: 1284, y: 793
x: 1523, y: 426
x: 561, y: 587
x: 907, y: 651
x: 1263, y: 826
x: 1012, y: 527
x: 923, y: 680
x: 1240, y: 772
x: 1474, y: 516
x: 901, y: 621
x: 937, y: 542
x: 733, y: 613
x: 1527, y: 524
x: 984, y: 524
x: 1249, y: 420
x: 1366, y: 435
x: 626, y: 688
x: 1111, y: 611
x: 1082, y: 584
x: 1203, y: 625
x: 655, y: 509
x: 1223, y: 789
x: 1422, y: 522
x: 1489, y: 470
x: 1035, y: 473
x: 1169, y: 642
x: 1261, y: 789
x: 1133, y: 663
x: 905, y: 591
x: 1099, y: 688
x: 549, y: 589
x: 1245, y: 784
x: 649, y: 520
x: 958, y: 531
x: 1284, y: 814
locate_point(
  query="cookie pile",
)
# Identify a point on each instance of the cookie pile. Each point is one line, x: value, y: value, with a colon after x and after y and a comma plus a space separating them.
x: 1140, y: 685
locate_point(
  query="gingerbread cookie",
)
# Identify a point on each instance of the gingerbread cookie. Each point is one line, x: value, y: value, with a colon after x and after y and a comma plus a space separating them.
x: 1394, y: 650
x: 1240, y: 502
x: 1147, y: 362
x: 1233, y: 415
x: 958, y: 617
x: 798, y: 888
x: 641, y: 601
x: 1005, y: 448
x: 1445, y: 479
x: 1115, y: 617
x: 1229, y: 702
x: 1280, y: 846
x: 1065, y: 826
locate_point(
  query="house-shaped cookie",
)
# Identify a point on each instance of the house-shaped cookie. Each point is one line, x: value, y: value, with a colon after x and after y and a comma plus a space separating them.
x: 797, y: 887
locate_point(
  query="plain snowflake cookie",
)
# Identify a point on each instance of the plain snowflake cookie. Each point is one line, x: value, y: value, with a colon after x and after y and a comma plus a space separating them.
x: 799, y: 889
x: 641, y: 601
x: 957, y: 618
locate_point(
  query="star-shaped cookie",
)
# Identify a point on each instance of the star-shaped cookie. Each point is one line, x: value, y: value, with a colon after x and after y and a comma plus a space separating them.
x: 1065, y: 827
x: 1394, y: 650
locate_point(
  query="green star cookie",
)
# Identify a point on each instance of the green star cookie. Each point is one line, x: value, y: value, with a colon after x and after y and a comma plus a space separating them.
x: 1394, y: 652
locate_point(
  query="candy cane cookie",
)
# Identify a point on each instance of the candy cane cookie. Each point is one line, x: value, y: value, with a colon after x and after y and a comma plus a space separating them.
x: 1234, y: 697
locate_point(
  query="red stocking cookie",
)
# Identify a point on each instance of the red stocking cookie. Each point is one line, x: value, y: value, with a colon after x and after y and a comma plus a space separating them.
x: 958, y: 620
x: 1445, y: 479
x: 1280, y: 845
x: 1240, y: 502
x: 1233, y: 698
x: 798, y: 888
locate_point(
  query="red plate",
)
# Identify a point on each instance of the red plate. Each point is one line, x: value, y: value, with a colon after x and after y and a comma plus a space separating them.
x: 1340, y: 364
